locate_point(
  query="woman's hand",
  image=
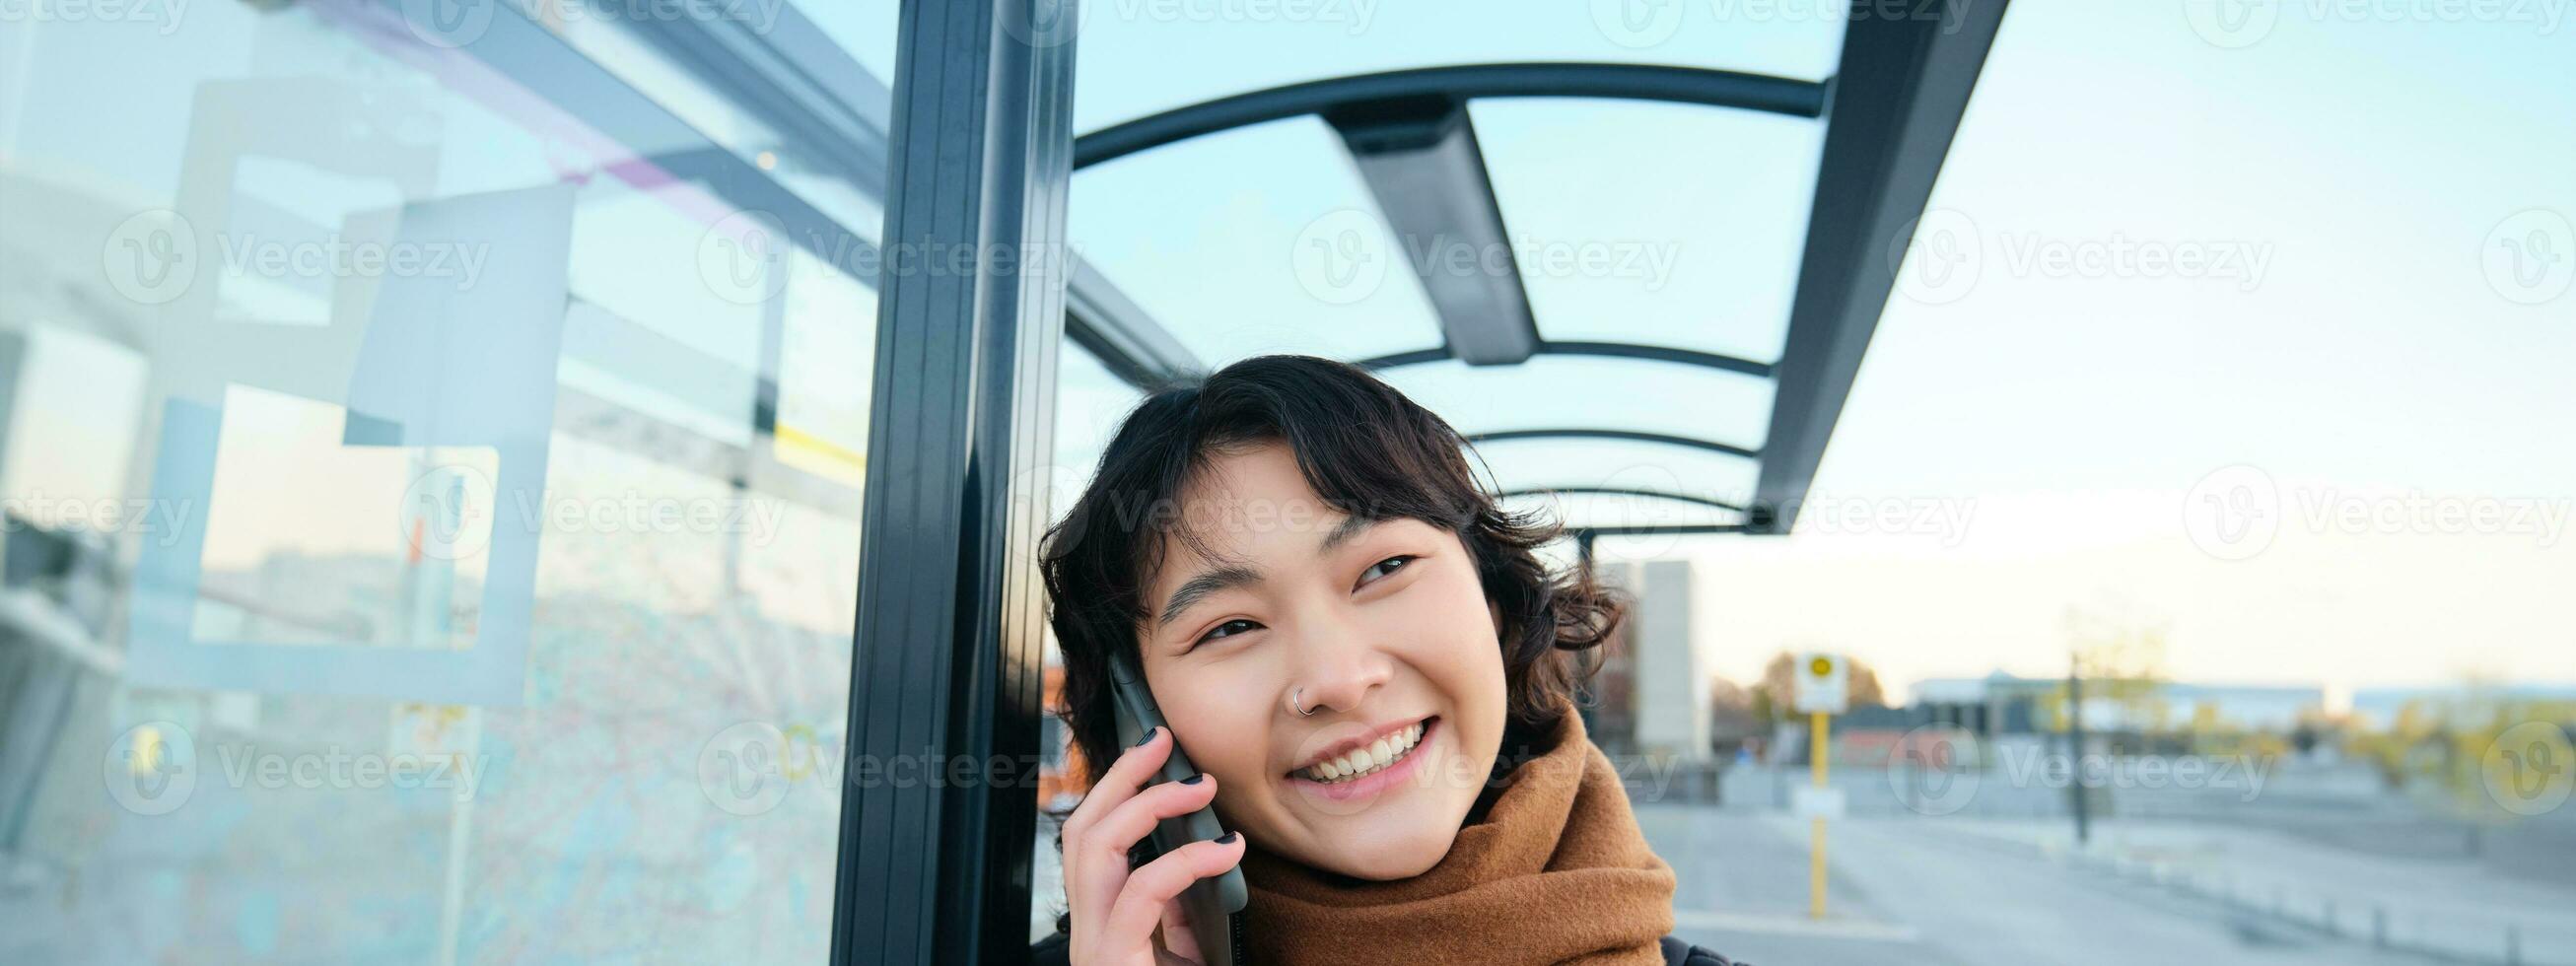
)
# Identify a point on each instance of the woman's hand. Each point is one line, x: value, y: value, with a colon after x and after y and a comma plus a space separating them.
x: 1115, y: 910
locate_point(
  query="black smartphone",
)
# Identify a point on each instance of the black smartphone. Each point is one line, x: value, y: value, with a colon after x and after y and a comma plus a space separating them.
x: 1215, y: 905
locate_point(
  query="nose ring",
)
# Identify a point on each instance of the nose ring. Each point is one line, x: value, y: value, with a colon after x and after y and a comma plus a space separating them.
x: 1294, y: 702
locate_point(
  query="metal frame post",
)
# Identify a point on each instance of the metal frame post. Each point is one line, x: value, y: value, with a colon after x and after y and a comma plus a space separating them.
x: 946, y: 662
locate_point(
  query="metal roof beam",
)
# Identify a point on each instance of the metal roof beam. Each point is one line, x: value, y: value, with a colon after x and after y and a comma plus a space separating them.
x: 1645, y: 530
x: 1620, y: 491
x: 1421, y: 162
x: 1630, y: 435
x: 1895, y: 105
x: 1618, y: 350
x: 1113, y: 328
x: 1685, y: 85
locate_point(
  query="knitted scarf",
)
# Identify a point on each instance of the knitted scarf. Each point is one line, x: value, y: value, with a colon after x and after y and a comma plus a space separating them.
x: 1557, y: 872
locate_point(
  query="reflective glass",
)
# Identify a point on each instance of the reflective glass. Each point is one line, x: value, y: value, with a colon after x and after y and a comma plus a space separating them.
x: 1593, y: 392
x: 436, y: 520
x: 1260, y: 239
x: 1526, y: 464
x: 1664, y: 224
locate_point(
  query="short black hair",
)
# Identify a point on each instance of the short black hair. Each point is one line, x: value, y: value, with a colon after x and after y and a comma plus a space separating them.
x: 1367, y: 451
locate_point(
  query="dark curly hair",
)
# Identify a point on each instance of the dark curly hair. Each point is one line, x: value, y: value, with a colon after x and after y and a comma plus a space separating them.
x: 1366, y: 451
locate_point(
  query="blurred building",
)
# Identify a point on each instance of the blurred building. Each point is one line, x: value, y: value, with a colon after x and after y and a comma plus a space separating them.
x: 1652, y: 691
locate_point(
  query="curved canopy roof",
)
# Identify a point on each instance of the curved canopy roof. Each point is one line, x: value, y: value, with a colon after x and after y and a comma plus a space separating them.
x: 1660, y: 340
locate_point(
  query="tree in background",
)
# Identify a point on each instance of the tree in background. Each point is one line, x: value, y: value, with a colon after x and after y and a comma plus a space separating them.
x: 1774, y: 698
x: 2119, y: 650
x: 1734, y: 717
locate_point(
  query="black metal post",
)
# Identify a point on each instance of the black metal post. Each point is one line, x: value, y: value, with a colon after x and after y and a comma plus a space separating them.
x: 946, y: 661
x: 2075, y: 753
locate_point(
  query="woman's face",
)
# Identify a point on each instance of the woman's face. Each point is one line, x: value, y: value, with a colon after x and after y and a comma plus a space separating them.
x: 1385, y: 628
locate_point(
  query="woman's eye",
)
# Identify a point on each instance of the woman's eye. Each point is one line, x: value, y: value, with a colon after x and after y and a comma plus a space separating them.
x: 1398, y: 561
x: 1219, y: 630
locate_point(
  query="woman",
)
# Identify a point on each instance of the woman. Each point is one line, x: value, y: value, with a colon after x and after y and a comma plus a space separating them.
x: 1370, y: 666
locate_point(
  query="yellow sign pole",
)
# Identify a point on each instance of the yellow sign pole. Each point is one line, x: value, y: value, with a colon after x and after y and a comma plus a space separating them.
x: 1818, y: 728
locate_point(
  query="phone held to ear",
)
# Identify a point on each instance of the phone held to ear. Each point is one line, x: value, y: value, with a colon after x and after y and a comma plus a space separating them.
x: 1215, y: 905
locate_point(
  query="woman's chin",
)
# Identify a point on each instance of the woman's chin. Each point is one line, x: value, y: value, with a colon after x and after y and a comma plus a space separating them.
x: 1396, y: 861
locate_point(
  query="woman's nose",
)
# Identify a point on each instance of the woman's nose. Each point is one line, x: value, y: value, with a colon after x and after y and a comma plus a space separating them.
x: 1338, y: 669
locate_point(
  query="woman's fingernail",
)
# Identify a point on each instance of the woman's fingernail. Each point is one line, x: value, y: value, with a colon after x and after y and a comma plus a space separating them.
x: 1228, y: 838
x: 1193, y: 779
x: 1149, y: 736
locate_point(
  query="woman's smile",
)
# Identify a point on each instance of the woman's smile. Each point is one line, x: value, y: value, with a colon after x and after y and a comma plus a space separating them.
x: 1366, y: 770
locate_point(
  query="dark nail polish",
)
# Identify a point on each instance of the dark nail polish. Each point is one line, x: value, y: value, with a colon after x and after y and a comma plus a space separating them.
x: 1194, y: 779
x: 1149, y: 736
x: 1228, y: 838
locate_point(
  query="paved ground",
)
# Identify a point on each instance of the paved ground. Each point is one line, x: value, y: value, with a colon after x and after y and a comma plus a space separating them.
x: 1931, y: 891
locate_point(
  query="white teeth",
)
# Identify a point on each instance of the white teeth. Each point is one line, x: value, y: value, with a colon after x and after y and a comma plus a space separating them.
x: 1360, y: 761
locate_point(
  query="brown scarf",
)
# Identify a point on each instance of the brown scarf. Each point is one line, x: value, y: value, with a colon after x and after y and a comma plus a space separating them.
x: 1557, y: 872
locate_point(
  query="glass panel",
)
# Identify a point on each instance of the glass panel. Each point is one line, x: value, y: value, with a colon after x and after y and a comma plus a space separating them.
x: 1593, y: 392
x: 1261, y: 239
x: 1617, y: 464
x: 1142, y: 57
x: 1695, y: 243
x: 1581, y: 509
x: 438, y: 521
x: 1090, y: 404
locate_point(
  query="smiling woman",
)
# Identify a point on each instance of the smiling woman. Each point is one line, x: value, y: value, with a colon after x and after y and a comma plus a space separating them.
x: 1373, y: 670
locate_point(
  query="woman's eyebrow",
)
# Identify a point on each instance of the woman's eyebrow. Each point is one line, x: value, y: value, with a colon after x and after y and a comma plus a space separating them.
x: 1351, y: 526
x: 1199, y: 587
